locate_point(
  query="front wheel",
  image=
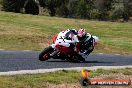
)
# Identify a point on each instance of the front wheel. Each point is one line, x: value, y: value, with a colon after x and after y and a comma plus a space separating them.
x: 45, y: 54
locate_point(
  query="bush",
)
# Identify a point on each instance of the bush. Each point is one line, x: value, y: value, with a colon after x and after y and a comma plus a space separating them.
x: 94, y: 14
x: 62, y: 11
x: 116, y: 14
x: 1, y: 3
x: 86, y: 9
x: 13, y: 5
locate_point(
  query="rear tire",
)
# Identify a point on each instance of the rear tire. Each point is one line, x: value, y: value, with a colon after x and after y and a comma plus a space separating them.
x: 80, y: 58
x: 45, y: 54
x: 77, y: 58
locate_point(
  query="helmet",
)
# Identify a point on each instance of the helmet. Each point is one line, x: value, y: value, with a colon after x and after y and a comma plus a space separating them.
x: 81, y: 32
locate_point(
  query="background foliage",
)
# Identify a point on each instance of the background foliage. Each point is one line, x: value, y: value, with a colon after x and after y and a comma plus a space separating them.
x: 85, y: 9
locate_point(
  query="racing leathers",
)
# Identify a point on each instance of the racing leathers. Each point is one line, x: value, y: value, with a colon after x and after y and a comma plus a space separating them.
x: 87, y: 40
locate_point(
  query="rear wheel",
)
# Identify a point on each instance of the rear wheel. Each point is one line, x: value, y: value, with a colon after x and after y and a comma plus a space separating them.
x: 80, y: 58
x: 77, y: 58
x: 45, y: 54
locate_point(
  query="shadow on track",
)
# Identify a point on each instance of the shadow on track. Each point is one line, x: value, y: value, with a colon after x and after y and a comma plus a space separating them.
x: 83, y: 62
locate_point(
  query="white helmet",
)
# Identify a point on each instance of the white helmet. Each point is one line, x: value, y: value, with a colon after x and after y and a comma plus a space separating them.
x: 81, y: 32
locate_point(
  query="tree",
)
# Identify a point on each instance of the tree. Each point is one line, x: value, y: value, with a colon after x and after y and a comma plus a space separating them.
x: 51, y: 5
x: 82, y: 11
x: 104, y: 7
x: 32, y: 7
x: 127, y: 9
x: 122, y: 10
x: 13, y: 5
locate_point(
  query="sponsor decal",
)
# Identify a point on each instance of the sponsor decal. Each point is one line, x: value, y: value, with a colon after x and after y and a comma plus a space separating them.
x: 85, y: 80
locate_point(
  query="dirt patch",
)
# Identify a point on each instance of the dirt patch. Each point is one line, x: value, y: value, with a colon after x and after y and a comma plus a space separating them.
x: 64, y: 85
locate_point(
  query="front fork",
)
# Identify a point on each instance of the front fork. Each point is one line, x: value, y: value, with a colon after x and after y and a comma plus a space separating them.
x: 56, y: 51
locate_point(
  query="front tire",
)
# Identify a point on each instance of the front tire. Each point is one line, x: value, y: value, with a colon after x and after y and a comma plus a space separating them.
x: 45, y: 54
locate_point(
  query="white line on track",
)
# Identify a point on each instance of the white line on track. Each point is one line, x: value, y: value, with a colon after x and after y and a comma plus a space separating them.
x: 100, y: 53
x: 58, y: 69
x: 26, y: 50
x: 1, y: 49
x: 117, y: 54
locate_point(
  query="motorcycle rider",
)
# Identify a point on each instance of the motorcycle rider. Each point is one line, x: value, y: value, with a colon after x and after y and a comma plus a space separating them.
x: 85, y: 37
x: 74, y: 39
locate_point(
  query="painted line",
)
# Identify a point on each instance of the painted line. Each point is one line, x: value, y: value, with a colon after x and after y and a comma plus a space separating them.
x: 14, y: 50
x: 106, y: 54
x: 58, y: 69
x: 26, y: 50
x: 117, y: 54
x: 1, y: 49
x: 100, y: 53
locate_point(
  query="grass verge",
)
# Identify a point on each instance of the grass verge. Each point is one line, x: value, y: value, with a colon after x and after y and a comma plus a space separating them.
x: 59, y: 77
x: 30, y: 32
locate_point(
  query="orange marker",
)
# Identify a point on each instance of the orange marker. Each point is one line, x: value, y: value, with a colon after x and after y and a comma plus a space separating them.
x: 85, y: 73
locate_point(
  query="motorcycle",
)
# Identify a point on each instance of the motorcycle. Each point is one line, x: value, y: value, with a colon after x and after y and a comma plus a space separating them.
x: 67, y: 53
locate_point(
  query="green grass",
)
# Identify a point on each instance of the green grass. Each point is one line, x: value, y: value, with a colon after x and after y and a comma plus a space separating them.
x: 20, y: 32
x: 59, y: 77
x: 39, y: 80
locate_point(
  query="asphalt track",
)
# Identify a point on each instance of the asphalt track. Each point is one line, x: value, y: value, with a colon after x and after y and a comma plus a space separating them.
x: 28, y: 60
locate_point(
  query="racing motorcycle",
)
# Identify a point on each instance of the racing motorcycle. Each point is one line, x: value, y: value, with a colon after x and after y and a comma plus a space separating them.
x: 68, y: 53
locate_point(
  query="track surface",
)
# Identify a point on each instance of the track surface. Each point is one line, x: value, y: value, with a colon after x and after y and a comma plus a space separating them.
x: 28, y: 60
